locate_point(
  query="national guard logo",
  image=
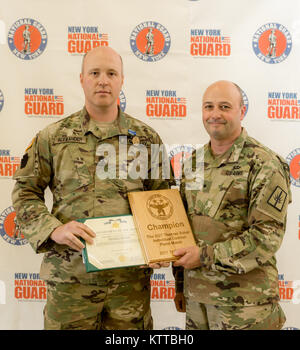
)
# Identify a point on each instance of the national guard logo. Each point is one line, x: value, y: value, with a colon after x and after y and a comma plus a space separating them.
x: 9, y: 228
x: 82, y: 39
x: 122, y: 101
x: 272, y: 43
x: 43, y: 103
x: 286, y: 288
x: 29, y: 287
x: 162, y: 288
x: 150, y: 41
x: 283, y: 106
x: 177, y: 155
x: 293, y: 160
x: 8, y: 164
x: 27, y: 38
x: 1, y: 100
x: 160, y: 207
x: 208, y: 43
x: 165, y: 105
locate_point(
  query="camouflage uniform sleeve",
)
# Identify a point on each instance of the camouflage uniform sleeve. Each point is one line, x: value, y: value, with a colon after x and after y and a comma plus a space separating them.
x: 32, y: 178
x: 269, y: 192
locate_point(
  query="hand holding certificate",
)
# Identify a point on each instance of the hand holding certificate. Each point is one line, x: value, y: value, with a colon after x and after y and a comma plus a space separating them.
x: 158, y: 226
x: 116, y: 244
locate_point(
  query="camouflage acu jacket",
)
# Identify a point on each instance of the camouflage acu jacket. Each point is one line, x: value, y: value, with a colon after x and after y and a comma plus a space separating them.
x: 64, y: 157
x: 239, y: 220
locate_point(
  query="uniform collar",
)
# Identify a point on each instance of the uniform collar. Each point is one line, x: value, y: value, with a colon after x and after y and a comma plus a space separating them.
x: 119, y: 127
x: 230, y: 156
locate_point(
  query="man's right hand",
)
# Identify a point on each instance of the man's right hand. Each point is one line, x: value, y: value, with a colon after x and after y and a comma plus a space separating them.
x: 67, y: 234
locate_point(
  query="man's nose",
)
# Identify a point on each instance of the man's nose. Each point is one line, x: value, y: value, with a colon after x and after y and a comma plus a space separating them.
x: 103, y: 79
x: 215, y: 113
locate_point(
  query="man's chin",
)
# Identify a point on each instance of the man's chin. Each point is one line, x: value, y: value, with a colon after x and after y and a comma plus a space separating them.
x: 215, y: 134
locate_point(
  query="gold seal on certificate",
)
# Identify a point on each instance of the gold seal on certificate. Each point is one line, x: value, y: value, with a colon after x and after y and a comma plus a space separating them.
x: 161, y: 223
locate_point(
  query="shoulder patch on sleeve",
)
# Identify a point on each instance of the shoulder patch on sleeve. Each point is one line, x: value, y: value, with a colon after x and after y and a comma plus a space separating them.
x: 274, y: 198
x: 277, y: 198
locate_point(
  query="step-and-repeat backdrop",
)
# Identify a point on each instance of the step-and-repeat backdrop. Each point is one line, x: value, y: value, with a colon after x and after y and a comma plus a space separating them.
x: 172, y: 50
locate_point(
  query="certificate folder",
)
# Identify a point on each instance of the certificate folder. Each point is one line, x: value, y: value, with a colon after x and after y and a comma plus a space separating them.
x: 161, y: 223
x: 116, y: 244
x: 158, y: 226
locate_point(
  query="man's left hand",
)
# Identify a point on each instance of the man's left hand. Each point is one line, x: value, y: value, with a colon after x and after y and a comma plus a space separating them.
x: 157, y: 265
x: 189, y: 257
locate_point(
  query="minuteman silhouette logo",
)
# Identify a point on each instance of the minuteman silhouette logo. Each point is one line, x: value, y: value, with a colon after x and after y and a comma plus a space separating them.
x: 27, y: 38
x: 293, y: 160
x: 272, y: 43
x: 9, y: 229
x: 150, y: 41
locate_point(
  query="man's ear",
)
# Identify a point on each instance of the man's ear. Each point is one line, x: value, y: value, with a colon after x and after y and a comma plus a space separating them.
x: 243, y: 112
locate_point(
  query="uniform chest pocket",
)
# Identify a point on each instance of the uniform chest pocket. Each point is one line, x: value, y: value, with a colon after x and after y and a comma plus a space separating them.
x: 133, y: 169
x: 209, y: 202
x: 127, y: 185
x: 71, y: 168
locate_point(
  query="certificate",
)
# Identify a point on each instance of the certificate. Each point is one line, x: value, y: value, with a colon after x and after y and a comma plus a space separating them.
x: 116, y: 244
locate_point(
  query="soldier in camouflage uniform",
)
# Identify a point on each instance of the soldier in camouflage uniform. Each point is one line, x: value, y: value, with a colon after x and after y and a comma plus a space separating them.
x: 239, y: 219
x: 66, y: 157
